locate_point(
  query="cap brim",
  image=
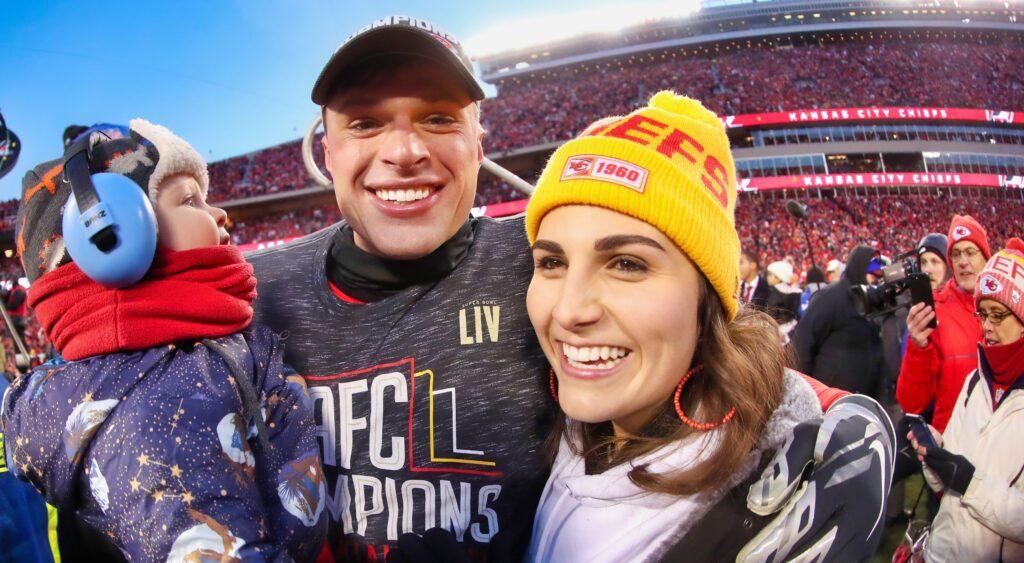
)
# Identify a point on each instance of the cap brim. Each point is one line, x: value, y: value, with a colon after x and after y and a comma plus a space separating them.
x: 390, y: 40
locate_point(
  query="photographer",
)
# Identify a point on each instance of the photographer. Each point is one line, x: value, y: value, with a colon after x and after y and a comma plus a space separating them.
x: 937, y: 360
x: 836, y: 344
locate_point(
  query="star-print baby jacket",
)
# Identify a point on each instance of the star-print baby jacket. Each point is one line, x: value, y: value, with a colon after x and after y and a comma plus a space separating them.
x: 162, y: 450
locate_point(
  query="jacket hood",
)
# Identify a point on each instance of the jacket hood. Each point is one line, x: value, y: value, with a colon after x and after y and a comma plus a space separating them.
x: 857, y: 266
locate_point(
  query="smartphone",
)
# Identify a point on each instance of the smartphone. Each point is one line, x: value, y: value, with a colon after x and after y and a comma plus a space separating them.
x: 921, y: 292
x: 921, y: 432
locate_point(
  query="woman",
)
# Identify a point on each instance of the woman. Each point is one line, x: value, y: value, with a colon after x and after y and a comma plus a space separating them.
x: 979, y: 464
x: 671, y: 395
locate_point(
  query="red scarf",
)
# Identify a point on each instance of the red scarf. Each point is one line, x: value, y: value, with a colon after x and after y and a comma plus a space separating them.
x: 200, y: 293
x: 1006, y: 362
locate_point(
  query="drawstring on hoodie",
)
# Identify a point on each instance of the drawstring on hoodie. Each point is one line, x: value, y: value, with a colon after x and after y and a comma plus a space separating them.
x: 250, y: 403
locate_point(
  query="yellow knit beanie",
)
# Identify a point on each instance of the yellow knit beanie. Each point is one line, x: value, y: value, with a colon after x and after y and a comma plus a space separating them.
x: 667, y: 164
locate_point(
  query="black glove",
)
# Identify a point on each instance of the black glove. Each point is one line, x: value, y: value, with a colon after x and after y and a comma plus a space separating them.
x: 436, y: 545
x: 826, y: 488
x: 953, y: 470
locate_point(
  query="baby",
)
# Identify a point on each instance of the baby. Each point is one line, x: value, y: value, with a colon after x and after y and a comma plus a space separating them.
x: 168, y: 427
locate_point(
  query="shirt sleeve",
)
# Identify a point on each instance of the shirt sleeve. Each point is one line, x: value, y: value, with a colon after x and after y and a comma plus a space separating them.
x: 919, y: 373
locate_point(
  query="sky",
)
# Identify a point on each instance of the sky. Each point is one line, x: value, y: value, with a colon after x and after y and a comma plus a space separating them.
x: 228, y: 76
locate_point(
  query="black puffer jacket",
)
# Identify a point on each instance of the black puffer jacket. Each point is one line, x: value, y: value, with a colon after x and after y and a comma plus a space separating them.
x: 836, y: 345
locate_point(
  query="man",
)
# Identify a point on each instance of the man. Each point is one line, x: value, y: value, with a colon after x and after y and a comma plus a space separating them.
x: 837, y: 345
x: 753, y: 289
x: 931, y: 258
x: 783, y: 302
x: 408, y: 321
x: 815, y: 283
x: 937, y: 360
x: 834, y: 270
x: 16, y: 302
x: 876, y: 269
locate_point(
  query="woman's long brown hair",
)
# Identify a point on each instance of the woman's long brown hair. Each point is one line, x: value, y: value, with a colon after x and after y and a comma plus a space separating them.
x: 743, y: 367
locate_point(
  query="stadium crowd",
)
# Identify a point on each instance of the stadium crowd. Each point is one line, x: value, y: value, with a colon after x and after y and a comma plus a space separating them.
x: 877, y: 73
x: 893, y: 72
x: 838, y: 223
x: 8, y: 214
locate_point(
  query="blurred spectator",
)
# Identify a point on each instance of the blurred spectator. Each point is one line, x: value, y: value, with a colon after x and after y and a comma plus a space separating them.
x: 835, y: 270
x: 815, y: 283
x: 836, y: 344
x: 754, y: 289
x: 783, y: 298
x: 931, y: 258
x: 938, y: 359
x: 16, y: 302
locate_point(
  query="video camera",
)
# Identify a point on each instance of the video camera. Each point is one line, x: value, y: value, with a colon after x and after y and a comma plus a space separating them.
x: 891, y: 294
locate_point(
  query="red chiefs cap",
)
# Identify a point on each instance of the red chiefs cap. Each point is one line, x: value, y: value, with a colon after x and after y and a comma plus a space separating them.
x: 397, y: 35
x: 964, y: 227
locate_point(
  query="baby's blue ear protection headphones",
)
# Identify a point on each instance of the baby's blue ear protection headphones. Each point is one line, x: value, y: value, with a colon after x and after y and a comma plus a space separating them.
x: 109, y: 225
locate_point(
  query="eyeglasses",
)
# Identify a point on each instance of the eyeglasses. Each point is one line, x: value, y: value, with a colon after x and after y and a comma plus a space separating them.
x: 970, y: 253
x: 996, y: 318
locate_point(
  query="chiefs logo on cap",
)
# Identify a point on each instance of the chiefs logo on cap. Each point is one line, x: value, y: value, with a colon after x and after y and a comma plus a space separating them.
x: 1015, y: 297
x: 990, y: 285
x: 960, y: 232
x: 578, y: 165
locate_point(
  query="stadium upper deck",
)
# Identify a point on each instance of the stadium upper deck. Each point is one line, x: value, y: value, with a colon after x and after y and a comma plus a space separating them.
x: 731, y: 21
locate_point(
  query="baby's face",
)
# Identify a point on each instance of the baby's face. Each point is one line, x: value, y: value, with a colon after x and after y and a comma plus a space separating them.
x: 184, y: 218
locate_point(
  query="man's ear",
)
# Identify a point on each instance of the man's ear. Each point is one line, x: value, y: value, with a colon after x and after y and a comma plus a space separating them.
x: 327, y: 153
x: 480, y: 147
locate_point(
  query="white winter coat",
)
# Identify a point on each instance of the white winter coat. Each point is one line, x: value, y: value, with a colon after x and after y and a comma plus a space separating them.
x: 605, y: 517
x: 987, y: 522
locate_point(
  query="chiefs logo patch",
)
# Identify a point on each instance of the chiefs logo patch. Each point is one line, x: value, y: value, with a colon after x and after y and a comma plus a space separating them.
x: 606, y: 169
x: 990, y: 285
x: 960, y: 232
x: 578, y: 166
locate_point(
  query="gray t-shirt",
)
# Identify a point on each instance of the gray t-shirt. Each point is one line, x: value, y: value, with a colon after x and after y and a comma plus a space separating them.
x: 431, y: 405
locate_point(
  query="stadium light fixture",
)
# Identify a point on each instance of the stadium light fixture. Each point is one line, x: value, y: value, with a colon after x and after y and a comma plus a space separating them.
x: 608, y: 19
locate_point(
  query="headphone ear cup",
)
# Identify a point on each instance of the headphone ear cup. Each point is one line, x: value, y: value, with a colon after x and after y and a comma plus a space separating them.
x: 134, y: 224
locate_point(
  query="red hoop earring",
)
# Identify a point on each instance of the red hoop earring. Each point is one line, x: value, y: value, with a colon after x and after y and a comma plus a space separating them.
x: 702, y: 426
x: 554, y: 386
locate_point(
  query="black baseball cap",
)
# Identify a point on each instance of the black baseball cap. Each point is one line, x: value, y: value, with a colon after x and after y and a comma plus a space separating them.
x: 397, y: 35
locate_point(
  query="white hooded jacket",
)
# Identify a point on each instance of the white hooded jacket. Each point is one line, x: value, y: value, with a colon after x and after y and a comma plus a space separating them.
x: 986, y: 523
x: 606, y: 517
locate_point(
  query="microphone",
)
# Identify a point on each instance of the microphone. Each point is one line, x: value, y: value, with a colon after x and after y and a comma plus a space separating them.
x: 796, y: 209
